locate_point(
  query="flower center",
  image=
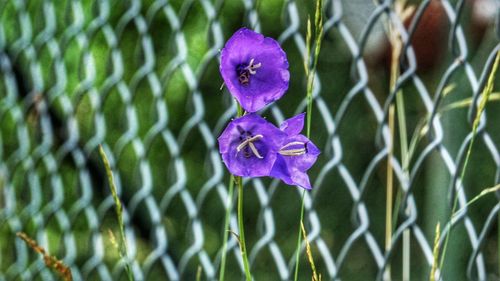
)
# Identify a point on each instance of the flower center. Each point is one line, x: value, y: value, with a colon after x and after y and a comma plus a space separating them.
x: 244, y: 71
x: 294, y: 148
x: 249, y: 147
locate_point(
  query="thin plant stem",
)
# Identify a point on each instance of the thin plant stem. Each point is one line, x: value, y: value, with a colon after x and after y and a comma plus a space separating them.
x: 309, y: 78
x: 198, y: 273
x: 308, y: 132
x: 435, y: 254
x: 226, y: 228
x: 406, y: 255
x: 467, y: 102
x: 403, y: 11
x: 309, y: 255
x: 389, y: 193
x: 488, y: 89
x: 310, y: 71
x: 482, y: 194
x: 390, y: 183
x: 299, y: 238
x: 241, y: 238
x: 401, y: 115
x: 243, y: 249
x: 123, y: 250
x: 239, y: 113
x: 310, y: 68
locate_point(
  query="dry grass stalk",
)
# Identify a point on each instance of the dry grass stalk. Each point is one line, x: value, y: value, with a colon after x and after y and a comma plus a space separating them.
x: 50, y: 261
x: 435, y: 253
x: 315, y: 276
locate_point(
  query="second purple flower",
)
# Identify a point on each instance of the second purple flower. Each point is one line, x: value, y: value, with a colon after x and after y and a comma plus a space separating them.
x: 296, y: 155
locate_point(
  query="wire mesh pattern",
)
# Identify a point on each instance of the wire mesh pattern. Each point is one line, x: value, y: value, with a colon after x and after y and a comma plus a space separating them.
x: 141, y: 78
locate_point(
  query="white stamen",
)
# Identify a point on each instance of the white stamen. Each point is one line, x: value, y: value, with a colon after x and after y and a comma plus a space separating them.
x: 254, y: 150
x: 292, y: 143
x: 249, y: 142
x: 252, y: 67
x: 293, y: 152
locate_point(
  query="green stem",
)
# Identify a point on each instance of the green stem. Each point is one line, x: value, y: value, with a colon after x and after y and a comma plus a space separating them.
x: 299, y: 238
x: 226, y: 228
x: 243, y: 249
x: 309, y: 113
x: 455, y: 201
x: 445, y: 246
x: 488, y: 89
x: 310, y: 70
x: 389, y: 192
x: 123, y: 250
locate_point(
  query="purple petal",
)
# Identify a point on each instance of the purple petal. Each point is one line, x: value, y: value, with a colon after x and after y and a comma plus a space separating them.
x: 245, y: 162
x: 301, y: 179
x: 302, y: 162
x: 291, y: 169
x: 289, y: 175
x: 280, y: 171
x: 294, y: 125
x: 270, y: 80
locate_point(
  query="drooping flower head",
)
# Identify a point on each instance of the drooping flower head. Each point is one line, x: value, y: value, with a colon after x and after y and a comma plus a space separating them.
x: 249, y: 146
x: 296, y: 155
x: 254, y: 69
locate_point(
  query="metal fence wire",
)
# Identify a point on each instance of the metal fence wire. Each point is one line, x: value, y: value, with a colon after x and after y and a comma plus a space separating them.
x: 141, y: 78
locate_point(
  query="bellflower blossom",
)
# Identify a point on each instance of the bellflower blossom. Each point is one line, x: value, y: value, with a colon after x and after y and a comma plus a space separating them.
x: 296, y: 155
x: 249, y: 146
x: 254, y: 69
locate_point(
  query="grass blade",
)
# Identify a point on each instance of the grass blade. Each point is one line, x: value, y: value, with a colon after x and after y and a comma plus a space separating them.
x: 309, y: 254
x: 435, y: 254
x: 311, y: 69
x: 389, y: 190
x: 243, y: 248
x: 299, y: 238
x: 123, y: 249
x: 488, y: 89
x: 226, y: 229
x: 310, y: 72
x: 482, y: 194
x: 467, y: 102
x: 198, y: 273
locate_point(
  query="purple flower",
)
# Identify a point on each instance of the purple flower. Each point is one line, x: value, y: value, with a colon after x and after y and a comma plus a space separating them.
x: 296, y: 155
x: 254, y: 69
x: 249, y: 146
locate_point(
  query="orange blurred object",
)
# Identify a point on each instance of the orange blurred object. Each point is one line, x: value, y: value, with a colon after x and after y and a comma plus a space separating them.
x: 430, y: 38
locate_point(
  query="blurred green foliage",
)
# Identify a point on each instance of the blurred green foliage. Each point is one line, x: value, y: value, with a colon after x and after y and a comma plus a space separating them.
x: 77, y: 81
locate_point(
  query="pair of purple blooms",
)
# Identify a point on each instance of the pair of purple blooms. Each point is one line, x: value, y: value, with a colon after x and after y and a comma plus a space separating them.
x: 255, y: 70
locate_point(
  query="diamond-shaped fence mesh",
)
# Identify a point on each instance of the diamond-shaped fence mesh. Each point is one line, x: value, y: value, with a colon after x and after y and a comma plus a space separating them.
x: 141, y: 78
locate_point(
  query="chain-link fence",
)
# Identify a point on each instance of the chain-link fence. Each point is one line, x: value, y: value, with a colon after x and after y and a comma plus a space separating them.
x: 141, y: 78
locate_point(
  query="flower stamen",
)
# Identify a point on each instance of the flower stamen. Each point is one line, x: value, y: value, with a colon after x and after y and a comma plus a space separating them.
x: 293, y: 151
x: 249, y: 142
x: 244, y: 72
x: 252, y: 67
x: 254, y: 150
